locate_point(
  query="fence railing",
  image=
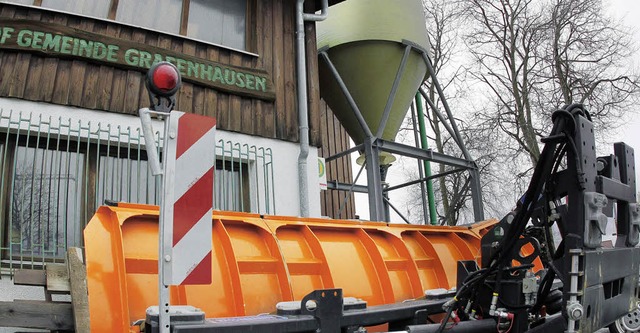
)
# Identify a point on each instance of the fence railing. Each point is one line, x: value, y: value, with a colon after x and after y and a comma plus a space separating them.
x: 55, y: 172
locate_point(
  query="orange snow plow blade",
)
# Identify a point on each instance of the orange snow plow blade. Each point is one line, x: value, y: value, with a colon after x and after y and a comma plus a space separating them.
x: 260, y: 261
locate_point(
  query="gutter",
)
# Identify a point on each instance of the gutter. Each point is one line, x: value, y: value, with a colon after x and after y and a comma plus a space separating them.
x: 303, y: 113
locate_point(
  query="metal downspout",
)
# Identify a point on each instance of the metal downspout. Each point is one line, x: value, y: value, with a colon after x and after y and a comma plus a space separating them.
x: 303, y: 117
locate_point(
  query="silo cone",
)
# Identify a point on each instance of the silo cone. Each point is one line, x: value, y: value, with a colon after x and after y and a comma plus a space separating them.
x: 364, y: 40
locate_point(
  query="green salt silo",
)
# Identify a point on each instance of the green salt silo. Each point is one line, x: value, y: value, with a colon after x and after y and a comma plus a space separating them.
x: 364, y: 40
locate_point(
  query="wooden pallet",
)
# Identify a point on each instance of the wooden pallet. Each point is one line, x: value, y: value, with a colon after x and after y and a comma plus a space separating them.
x: 57, y: 279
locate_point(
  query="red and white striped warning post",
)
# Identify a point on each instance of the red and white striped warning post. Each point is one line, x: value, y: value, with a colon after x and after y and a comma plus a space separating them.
x: 188, y: 194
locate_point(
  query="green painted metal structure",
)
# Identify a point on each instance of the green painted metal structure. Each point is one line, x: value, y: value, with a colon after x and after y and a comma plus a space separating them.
x: 433, y: 218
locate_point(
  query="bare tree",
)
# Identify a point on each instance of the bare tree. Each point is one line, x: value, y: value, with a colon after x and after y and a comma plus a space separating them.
x: 503, y: 46
x: 525, y: 59
x: 534, y: 58
x: 452, y: 192
x: 585, y: 54
x: 33, y: 212
x: 442, y: 17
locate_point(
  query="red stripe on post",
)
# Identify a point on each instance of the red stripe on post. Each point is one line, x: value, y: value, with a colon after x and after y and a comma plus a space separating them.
x: 191, y: 128
x: 188, y: 210
x: 201, y: 274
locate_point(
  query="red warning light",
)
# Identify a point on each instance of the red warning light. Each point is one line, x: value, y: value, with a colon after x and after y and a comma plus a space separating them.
x: 163, y: 79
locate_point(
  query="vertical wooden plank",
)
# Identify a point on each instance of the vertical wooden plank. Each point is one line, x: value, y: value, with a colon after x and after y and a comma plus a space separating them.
x: 352, y: 208
x: 199, y: 94
x: 50, y: 65
x: 60, y: 94
x: 331, y: 168
x: 34, y: 75
x: 113, y: 7
x: 151, y: 38
x: 88, y: 92
x: 78, y: 67
x: 324, y: 198
x: 8, y: 58
x: 119, y: 87
x: 177, y: 46
x: 18, y: 79
x: 248, y: 113
x: 291, y: 97
x: 254, y: 34
x: 235, y: 102
x: 278, y: 67
x: 184, y: 17
x: 340, y: 162
x: 255, y: 30
x: 79, y: 292
x: 134, y: 81
x: 222, y: 113
x: 92, y: 74
x: 236, y: 120
x: 186, y: 92
x: 105, y: 85
x: 344, y: 165
x: 256, y: 25
x: 211, y: 96
x: 6, y: 70
x: 313, y: 82
x: 267, y: 126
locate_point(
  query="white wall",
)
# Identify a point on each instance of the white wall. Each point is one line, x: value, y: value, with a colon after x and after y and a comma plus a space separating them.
x: 285, y: 173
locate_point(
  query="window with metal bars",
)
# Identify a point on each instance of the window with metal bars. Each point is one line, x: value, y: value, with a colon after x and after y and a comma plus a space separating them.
x: 55, y: 173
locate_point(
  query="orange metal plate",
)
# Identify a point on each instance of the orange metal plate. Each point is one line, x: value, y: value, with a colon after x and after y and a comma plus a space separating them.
x: 259, y: 261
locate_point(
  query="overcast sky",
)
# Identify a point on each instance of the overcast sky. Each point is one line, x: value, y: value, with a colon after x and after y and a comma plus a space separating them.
x: 629, y: 11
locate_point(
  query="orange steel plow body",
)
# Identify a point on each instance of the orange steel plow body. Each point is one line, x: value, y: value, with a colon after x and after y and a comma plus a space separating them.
x: 260, y: 261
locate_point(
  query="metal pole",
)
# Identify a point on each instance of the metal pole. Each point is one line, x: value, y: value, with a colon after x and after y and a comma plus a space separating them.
x: 161, y: 171
x: 346, y: 197
x: 396, y: 210
x: 421, y: 180
x: 425, y: 212
x: 433, y: 218
x: 376, y: 199
x: 163, y: 288
x: 474, y: 174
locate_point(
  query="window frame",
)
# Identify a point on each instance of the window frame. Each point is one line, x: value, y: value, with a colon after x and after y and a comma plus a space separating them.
x: 250, y: 26
x: 93, y: 151
x: 12, y: 140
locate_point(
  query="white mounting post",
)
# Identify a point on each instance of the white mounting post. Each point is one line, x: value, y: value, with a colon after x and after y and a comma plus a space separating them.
x: 164, y: 320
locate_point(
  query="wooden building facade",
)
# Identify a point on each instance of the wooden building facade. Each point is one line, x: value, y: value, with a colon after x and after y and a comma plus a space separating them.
x: 42, y: 74
x: 84, y: 60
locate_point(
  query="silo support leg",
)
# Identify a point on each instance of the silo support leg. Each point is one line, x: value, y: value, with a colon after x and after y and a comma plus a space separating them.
x: 376, y: 200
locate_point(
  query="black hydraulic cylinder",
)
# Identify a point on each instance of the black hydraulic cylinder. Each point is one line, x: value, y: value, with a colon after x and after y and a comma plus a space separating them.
x: 471, y: 326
